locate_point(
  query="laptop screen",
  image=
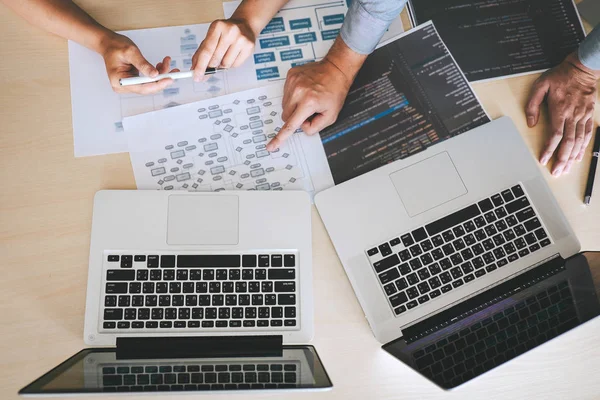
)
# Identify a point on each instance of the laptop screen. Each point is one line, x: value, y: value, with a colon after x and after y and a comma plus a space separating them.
x: 99, y: 370
x: 471, y: 338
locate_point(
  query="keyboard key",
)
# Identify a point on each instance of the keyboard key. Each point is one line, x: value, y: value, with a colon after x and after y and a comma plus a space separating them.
x: 404, y: 269
x: 113, y: 258
x: 207, y: 261
x: 419, y: 234
x: 263, y: 260
x: 276, y: 274
x: 167, y: 261
x: 435, y: 293
x: 116, y: 287
x: 507, y: 196
x: 480, y: 272
x: 412, y: 279
x: 113, y: 314
x: 152, y: 261
x: 423, y: 299
x: 517, y: 191
x: 453, y: 219
x: 545, y: 242
x: 385, y: 249
x: 525, y: 214
x: 395, y: 242
x: 372, y: 251
x: 469, y: 278
x: 458, y: 231
x: 446, y: 288
x: 485, y: 205
x: 412, y: 292
x: 286, y: 299
x: 457, y: 283
x: 276, y: 260
x: 399, y: 310
x: 109, y: 325
x: 497, y: 200
x: 126, y: 261
x: 249, y: 260
x: 412, y: 304
x: 390, y: 288
x: 386, y: 263
x: 289, y: 260
x: 407, y: 240
x: 541, y: 234
x: 120, y: 275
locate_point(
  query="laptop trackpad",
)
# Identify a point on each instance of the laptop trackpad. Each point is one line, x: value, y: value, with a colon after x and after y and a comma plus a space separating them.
x: 428, y: 183
x: 203, y: 219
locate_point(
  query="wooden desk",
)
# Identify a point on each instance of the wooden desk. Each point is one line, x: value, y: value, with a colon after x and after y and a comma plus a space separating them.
x: 45, y: 214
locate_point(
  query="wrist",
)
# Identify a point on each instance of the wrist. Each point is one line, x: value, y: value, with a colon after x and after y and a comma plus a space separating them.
x: 588, y: 73
x: 104, y: 40
x: 346, y: 60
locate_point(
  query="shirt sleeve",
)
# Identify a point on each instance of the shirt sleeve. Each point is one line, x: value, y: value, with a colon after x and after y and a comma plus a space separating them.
x: 589, y: 50
x: 367, y: 21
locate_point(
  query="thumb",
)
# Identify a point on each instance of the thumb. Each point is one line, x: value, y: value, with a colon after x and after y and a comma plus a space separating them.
x: 536, y: 98
x: 142, y: 65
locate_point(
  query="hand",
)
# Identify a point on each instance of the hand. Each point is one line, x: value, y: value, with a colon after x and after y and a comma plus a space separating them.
x: 228, y: 43
x: 570, y: 92
x: 123, y: 59
x: 314, y: 94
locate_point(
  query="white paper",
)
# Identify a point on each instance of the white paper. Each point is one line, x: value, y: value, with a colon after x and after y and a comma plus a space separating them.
x: 302, y: 31
x: 98, y: 110
x: 219, y: 144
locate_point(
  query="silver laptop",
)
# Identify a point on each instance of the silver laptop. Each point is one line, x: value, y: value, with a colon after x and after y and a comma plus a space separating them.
x: 196, y: 292
x: 423, y: 234
x: 205, y: 264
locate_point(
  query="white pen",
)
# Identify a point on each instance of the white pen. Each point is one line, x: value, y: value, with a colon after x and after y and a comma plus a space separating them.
x: 173, y: 75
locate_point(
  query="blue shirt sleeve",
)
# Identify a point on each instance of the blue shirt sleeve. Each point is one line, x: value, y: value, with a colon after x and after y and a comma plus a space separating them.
x: 367, y: 21
x: 589, y: 50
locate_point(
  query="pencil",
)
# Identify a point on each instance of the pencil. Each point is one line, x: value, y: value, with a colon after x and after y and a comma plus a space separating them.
x: 592, y: 175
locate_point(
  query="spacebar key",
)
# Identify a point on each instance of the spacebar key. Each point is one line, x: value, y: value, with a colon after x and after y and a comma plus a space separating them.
x: 452, y: 220
x: 208, y: 261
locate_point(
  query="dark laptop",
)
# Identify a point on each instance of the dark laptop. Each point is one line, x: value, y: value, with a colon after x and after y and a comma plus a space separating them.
x: 502, y: 323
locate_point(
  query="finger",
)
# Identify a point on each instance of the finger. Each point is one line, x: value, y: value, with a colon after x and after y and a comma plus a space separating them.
x: 138, y: 61
x: 149, y: 88
x: 204, y: 53
x: 164, y: 65
x: 579, y: 137
x: 317, y: 123
x: 558, y: 126
x: 589, y: 129
x: 302, y: 113
x: 243, y: 56
x: 220, y: 51
x: 565, y: 148
x: 536, y: 98
x: 230, y: 56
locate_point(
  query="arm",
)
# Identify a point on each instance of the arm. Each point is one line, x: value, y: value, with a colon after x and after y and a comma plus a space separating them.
x: 314, y: 93
x: 230, y: 42
x: 570, y: 90
x: 122, y: 57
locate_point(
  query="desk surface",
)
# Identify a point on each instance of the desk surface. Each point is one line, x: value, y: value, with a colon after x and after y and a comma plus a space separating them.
x: 45, y: 214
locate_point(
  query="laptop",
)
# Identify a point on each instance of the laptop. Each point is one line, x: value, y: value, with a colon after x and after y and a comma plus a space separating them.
x: 190, y: 290
x: 432, y: 232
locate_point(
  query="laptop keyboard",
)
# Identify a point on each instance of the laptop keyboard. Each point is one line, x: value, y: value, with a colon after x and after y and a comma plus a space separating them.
x: 139, y: 378
x: 161, y: 292
x: 431, y: 261
x: 500, y: 337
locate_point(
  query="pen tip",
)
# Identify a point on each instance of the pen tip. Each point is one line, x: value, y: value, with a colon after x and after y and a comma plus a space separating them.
x: 586, y: 200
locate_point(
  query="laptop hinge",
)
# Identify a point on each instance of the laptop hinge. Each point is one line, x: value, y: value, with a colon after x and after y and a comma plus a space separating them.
x: 199, y: 347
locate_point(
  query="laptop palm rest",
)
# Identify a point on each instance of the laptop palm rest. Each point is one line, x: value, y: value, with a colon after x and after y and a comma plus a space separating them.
x: 427, y: 184
x: 203, y: 220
